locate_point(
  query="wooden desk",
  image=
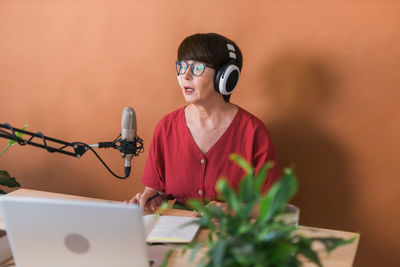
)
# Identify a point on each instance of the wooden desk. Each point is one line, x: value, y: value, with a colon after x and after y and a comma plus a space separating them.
x: 341, y: 257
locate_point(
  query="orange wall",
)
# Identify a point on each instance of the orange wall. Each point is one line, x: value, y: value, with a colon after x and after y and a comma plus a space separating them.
x: 322, y: 76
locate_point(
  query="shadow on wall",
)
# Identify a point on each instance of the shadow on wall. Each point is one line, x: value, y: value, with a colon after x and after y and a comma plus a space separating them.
x: 299, y: 86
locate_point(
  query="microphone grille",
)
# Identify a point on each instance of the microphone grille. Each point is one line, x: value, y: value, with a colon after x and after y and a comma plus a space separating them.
x: 128, y: 123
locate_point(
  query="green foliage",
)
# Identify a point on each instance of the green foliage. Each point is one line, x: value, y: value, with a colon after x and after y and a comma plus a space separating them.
x: 236, y: 239
x: 12, y: 142
x: 5, y: 178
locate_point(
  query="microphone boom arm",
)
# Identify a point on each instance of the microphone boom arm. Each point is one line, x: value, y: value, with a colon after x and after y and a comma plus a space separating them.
x: 10, y: 133
x: 77, y: 148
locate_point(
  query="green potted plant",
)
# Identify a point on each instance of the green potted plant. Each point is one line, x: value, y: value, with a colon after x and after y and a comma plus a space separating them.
x: 5, y: 178
x: 235, y: 238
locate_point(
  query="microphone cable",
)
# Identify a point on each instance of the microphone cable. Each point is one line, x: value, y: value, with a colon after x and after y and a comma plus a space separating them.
x: 101, y: 160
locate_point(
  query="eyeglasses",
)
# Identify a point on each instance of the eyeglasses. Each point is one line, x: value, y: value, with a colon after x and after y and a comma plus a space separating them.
x: 197, y: 68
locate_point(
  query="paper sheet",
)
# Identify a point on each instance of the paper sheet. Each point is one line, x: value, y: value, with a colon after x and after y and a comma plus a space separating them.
x: 173, y: 229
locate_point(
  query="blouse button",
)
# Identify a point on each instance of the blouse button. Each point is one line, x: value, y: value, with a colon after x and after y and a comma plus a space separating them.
x: 200, y: 192
x: 202, y: 161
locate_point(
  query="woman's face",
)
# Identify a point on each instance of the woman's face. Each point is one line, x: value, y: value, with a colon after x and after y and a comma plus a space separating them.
x: 198, y: 89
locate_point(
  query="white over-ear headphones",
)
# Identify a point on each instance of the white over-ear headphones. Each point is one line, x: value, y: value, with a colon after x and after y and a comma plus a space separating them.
x: 227, y: 76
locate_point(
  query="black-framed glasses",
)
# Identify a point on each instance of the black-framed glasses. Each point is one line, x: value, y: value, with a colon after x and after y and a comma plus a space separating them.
x: 197, y: 68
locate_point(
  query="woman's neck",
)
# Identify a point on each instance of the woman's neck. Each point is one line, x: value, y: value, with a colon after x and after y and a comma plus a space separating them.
x: 209, y: 115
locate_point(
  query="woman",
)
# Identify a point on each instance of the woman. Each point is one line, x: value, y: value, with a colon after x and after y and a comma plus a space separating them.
x: 190, y: 147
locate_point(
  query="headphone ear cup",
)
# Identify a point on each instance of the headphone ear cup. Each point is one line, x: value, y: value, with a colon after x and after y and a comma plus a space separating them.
x: 226, y: 79
x: 218, y: 73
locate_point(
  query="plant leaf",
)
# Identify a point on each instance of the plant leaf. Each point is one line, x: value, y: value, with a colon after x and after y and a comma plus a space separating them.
x: 281, y: 251
x: 262, y: 175
x: 275, y: 231
x: 18, y: 134
x: 242, y: 162
x: 205, y: 219
x: 243, y: 253
x: 288, y: 188
x: 217, y: 252
x: 278, y: 195
x: 199, y: 206
x: 229, y: 195
x: 4, y: 174
x: 2, y: 152
x: 266, y: 209
x: 246, y: 189
x: 7, y: 180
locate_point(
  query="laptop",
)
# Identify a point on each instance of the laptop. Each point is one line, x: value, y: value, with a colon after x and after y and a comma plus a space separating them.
x: 55, y: 230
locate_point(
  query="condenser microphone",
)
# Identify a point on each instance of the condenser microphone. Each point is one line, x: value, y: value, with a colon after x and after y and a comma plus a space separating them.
x: 128, y: 143
x: 128, y: 134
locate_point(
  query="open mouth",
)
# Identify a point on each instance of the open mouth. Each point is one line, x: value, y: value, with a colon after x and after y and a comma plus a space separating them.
x: 189, y: 89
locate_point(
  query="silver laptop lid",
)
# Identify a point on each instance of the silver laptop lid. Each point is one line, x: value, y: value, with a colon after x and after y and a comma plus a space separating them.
x: 62, y: 231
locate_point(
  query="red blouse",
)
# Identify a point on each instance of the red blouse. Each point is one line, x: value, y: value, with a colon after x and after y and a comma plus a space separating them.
x: 176, y: 166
